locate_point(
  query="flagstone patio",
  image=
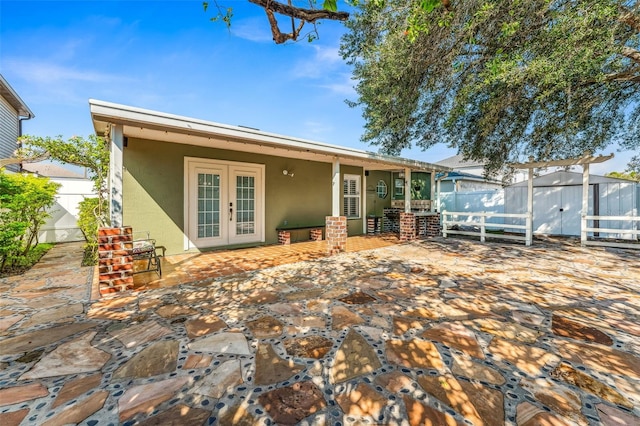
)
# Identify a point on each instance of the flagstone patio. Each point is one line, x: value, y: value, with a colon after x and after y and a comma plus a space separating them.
x: 438, y: 332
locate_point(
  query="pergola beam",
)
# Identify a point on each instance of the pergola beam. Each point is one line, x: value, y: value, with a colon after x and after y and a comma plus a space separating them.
x: 587, y: 158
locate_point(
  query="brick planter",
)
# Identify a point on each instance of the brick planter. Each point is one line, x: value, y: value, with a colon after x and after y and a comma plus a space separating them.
x: 284, y: 237
x: 336, y: 231
x: 315, y: 234
x: 115, y: 263
x: 433, y: 226
x: 407, y: 226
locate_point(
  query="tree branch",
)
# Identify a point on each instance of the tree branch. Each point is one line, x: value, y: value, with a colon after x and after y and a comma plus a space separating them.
x: 306, y: 15
x: 20, y: 158
x: 629, y: 18
x: 629, y: 77
x: 631, y: 53
x: 278, y: 36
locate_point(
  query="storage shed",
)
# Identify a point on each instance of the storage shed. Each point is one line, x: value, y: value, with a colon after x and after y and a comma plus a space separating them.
x: 557, y: 202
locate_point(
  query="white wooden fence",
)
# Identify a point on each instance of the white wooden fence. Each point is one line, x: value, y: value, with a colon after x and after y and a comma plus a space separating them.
x: 480, y: 220
x: 633, y: 231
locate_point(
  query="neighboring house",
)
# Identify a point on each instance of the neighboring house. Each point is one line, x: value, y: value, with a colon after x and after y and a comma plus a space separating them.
x: 13, y: 111
x: 557, y: 202
x: 466, y: 182
x: 458, y: 164
x: 62, y: 226
x: 471, y: 173
x: 196, y: 184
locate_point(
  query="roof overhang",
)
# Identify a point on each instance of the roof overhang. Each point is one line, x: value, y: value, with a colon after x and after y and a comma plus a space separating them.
x: 14, y: 100
x: 157, y: 126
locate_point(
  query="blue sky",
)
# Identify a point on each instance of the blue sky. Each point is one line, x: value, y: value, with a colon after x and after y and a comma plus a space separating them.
x: 168, y: 56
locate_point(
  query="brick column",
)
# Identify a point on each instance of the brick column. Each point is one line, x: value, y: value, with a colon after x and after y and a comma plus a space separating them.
x: 407, y: 226
x: 433, y: 226
x: 336, y: 230
x: 315, y: 234
x: 115, y: 262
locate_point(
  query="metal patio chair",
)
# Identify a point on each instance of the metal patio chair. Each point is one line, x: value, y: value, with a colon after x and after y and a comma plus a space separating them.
x: 145, y: 249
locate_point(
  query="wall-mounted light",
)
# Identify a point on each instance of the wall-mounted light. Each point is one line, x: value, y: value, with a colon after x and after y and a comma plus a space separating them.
x: 287, y: 173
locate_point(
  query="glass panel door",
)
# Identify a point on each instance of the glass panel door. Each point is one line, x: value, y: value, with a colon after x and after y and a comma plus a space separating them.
x: 207, y: 198
x: 246, y: 204
x: 208, y: 205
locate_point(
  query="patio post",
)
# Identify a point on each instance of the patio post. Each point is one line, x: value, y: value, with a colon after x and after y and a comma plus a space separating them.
x: 336, y: 187
x: 433, y: 190
x: 115, y: 175
x: 585, y: 204
x: 407, y: 190
x: 529, y: 230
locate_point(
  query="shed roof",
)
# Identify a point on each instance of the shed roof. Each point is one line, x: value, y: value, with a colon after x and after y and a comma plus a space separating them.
x: 465, y: 176
x: 159, y: 126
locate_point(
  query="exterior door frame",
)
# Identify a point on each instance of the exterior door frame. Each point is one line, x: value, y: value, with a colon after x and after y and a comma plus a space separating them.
x: 228, y: 190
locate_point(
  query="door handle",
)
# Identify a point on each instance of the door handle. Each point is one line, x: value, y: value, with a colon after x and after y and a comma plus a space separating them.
x: 230, y: 212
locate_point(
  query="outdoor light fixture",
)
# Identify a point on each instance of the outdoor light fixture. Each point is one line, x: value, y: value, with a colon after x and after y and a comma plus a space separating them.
x: 287, y: 173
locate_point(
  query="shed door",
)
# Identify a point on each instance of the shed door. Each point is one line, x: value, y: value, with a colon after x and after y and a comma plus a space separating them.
x: 570, y: 207
x: 547, y: 203
x: 556, y: 210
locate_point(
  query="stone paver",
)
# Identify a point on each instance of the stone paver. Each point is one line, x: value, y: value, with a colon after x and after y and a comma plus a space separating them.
x: 430, y: 332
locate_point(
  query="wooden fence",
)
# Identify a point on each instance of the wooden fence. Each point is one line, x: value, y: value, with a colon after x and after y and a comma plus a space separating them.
x: 634, y: 222
x: 479, y: 220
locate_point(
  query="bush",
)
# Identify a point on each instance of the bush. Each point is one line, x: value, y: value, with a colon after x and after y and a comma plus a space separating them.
x: 89, y: 222
x: 24, y: 200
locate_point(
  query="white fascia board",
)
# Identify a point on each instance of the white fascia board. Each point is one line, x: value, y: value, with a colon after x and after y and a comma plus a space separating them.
x: 106, y: 112
x: 14, y: 99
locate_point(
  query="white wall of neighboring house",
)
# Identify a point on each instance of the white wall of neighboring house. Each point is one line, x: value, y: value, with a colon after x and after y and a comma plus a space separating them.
x: 12, y: 111
x: 468, y: 185
x: 62, y: 226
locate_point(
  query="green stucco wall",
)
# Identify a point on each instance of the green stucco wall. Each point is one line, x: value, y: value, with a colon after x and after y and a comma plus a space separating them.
x: 421, y: 179
x: 153, y: 186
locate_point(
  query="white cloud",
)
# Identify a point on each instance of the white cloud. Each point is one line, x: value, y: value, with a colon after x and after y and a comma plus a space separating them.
x: 43, y: 72
x: 323, y: 62
x: 316, y: 129
x: 342, y: 84
x: 253, y: 29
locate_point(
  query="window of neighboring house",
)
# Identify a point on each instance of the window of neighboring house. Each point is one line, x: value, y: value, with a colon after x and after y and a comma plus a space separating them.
x: 351, y: 192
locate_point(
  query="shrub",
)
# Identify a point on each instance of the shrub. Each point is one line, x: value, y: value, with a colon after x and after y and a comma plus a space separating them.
x: 24, y: 200
x: 89, y: 222
x: 91, y: 153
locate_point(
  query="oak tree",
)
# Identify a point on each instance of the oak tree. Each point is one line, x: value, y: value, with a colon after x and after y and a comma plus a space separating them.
x: 499, y: 80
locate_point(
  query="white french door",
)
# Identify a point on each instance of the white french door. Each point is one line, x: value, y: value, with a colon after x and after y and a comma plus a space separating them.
x: 224, y: 203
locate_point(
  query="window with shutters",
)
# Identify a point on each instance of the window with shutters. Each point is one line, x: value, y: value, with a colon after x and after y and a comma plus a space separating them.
x: 351, y: 192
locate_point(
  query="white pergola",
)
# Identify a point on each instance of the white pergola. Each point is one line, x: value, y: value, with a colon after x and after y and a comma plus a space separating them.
x: 585, y: 160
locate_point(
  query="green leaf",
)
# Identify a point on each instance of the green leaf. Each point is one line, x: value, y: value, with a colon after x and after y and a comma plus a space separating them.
x: 429, y: 5
x: 205, y: 5
x: 331, y: 5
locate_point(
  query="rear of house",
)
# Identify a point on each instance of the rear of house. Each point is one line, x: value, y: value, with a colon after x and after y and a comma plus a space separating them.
x: 197, y: 185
